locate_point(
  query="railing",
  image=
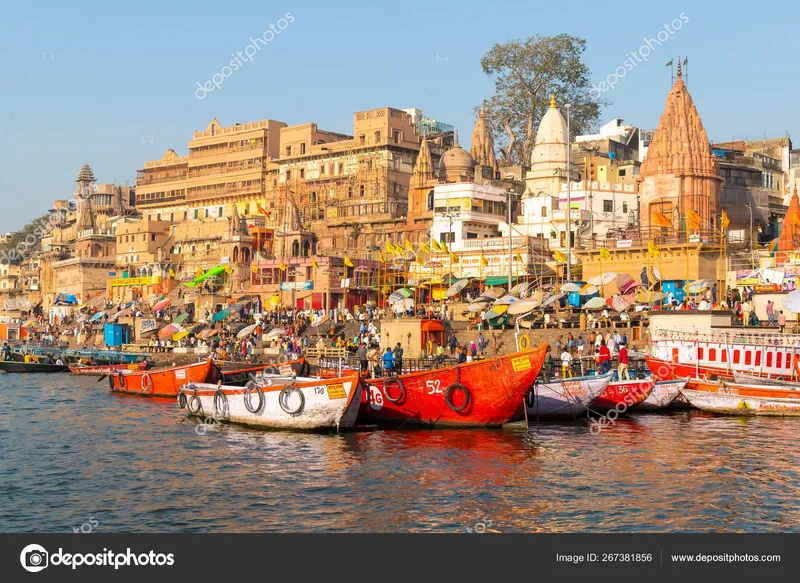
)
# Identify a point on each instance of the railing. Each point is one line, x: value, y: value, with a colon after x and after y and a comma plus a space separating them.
x: 141, y: 201
x: 492, y: 243
x: 193, y: 154
x: 410, y: 365
x: 640, y: 237
x: 223, y: 170
x: 587, y: 366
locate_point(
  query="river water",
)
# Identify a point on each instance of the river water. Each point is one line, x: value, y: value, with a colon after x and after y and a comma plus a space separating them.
x: 76, y: 457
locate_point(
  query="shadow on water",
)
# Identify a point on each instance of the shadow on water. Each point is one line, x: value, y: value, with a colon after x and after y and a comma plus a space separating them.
x: 72, y: 451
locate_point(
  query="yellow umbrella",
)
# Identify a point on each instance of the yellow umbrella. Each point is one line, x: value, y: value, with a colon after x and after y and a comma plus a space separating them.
x: 180, y: 335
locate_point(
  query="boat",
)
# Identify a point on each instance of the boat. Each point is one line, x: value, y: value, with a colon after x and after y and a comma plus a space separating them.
x: 663, y: 395
x: 759, y: 391
x: 622, y: 396
x: 240, y: 377
x: 106, y: 369
x: 564, y: 399
x: 483, y: 393
x: 731, y: 404
x: 668, y: 370
x: 164, y: 383
x: 11, y: 366
x: 297, y: 404
x: 748, y: 379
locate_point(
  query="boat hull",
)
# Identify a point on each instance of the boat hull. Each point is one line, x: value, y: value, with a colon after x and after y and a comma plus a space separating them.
x: 666, y: 370
x: 314, y: 405
x: 10, y: 366
x: 564, y: 399
x: 747, y: 379
x: 728, y: 404
x: 107, y: 369
x: 485, y: 393
x: 164, y: 383
x: 757, y: 391
x: 621, y: 396
x: 663, y: 395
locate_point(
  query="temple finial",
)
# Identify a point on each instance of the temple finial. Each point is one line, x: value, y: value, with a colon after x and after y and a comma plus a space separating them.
x: 680, y: 71
x: 553, y: 100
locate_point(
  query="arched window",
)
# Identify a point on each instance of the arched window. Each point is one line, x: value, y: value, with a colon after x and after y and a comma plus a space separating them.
x: 769, y: 358
x: 295, y: 249
x: 430, y: 201
x: 779, y: 360
x: 245, y: 255
x: 314, y: 197
x: 712, y: 354
x: 306, y: 248
x: 361, y: 191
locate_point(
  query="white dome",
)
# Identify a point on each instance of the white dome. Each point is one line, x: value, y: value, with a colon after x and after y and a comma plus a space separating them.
x: 550, y: 149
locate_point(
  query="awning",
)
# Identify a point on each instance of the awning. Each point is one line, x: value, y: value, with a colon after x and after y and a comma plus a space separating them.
x: 498, y: 280
x: 431, y: 326
x: 214, y: 271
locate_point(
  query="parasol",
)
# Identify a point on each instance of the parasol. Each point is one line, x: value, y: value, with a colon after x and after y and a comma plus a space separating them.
x: 456, y: 288
x: 648, y: 296
x: 523, y: 307
x: 509, y: 299
x: 493, y: 292
x: 625, y: 282
x: 247, y: 330
x: 552, y: 299
x: 97, y: 316
x: 120, y: 314
x: 656, y: 273
x: 476, y: 307
x: 180, y: 335
x: 619, y: 303
x: 698, y: 287
x: 519, y: 288
x: 791, y: 301
x: 589, y: 290
x: 168, y: 331
x: 275, y: 333
x: 161, y: 305
x: 496, y: 312
x: 180, y: 318
x: 570, y: 287
x: 221, y: 315
x: 603, y: 279
x: 595, y: 304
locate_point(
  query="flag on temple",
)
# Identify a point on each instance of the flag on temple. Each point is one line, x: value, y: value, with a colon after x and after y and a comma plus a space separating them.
x: 484, y: 262
x: 199, y: 273
x: 661, y: 220
x: 172, y: 273
x: 380, y: 258
x: 670, y: 63
x: 389, y: 246
x: 605, y: 253
x: 263, y: 212
x: 435, y: 245
x: 314, y: 264
x: 693, y: 219
x: 453, y: 257
x: 559, y: 256
x: 443, y: 245
x: 418, y: 260
x: 254, y: 269
x: 228, y: 269
x: 652, y: 249
x: 725, y: 220
x: 347, y: 261
x: 424, y: 247
x: 773, y: 246
x: 398, y: 250
x: 408, y: 245
x: 517, y: 257
x: 282, y: 266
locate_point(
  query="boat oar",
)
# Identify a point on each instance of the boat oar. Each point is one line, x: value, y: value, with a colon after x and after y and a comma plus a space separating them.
x: 102, y: 378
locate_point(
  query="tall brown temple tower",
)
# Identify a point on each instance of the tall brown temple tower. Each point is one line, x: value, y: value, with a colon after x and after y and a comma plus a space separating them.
x: 680, y: 171
x: 420, y: 188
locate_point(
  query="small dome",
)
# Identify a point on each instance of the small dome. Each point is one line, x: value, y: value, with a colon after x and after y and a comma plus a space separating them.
x: 456, y: 165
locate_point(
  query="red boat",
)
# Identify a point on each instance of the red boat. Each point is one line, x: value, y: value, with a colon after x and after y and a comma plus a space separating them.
x: 760, y: 391
x: 621, y: 396
x: 100, y: 370
x: 166, y: 382
x: 667, y: 370
x: 485, y: 393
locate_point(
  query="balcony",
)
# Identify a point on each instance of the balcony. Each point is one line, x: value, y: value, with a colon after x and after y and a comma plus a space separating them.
x: 146, y: 180
x: 575, y: 216
x: 163, y: 200
x: 194, y: 154
x: 489, y: 243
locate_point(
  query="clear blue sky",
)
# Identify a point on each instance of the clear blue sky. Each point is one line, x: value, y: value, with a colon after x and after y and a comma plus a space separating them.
x: 97, y: 81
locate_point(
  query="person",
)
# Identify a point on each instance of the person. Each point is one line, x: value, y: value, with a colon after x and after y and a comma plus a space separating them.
x: 440, y: 354
x: 452, y: 342
x: 361, y: 354
x: 566, y: 361
x: 583, y: 322
x: 781, y: 321
x: 771, y: 312
x: 59, y: 362
x: 473, y: 349
x: 548, y: 360
x: 481, y: 343
x: 604, y: 358
x: 372, y: 358
x: 462, y: 355
x: 6, y: 351
x: 397, y: 356
x: 745, y: 306
x: 623, y: 371
x: 714, y: 293
x: 388, y: 361
x: 581, y: 346
x: 645, y: 280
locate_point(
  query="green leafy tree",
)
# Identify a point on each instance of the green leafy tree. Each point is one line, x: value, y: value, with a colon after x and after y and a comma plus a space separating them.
x: 526, y: 73
x: 27, y: 240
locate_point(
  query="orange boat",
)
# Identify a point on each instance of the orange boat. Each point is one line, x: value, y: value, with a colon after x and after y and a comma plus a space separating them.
x: 106, y: 369
x: 165, y: 383
x: 760, y: 391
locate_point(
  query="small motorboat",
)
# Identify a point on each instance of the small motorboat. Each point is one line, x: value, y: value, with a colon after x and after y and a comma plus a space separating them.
x: 165, y: 383
x: 733, y: 404
x: 663, y: 395
x: 748, y: 379
x: 296, y: 404
x: 11, y: 366
x: 240, y: 377
x: 564, y: 399
x: 106, y: 369
x: 622, y: 396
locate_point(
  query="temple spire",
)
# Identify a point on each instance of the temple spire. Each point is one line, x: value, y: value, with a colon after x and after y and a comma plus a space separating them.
x: 482, y: 149
x: 422, y: 173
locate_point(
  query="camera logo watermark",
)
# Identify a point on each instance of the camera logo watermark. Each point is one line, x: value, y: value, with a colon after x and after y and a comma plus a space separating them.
x: 640, y: 55
x: 242, y: 57
x: 34, y: 558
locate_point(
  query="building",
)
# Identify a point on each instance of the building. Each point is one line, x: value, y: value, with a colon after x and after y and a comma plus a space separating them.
x: 427, y: 126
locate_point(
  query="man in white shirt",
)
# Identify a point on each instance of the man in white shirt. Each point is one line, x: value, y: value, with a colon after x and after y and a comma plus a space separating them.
x: 566, y: 361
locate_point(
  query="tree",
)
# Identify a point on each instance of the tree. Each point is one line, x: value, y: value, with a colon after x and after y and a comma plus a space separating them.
x: 526, y: 73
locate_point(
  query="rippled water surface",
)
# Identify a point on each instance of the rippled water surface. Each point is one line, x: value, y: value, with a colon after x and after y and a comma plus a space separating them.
x: 74, y: 455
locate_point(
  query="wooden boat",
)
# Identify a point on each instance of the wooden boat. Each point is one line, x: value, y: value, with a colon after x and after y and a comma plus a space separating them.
x: 663, y: 395
x: 623, y: 395
x: 564, y: 399
x: 100, y: 370
x: 240, y: 377
x: 748, y: 379
x: 11, y: 366
x: 164, y: 383
x: 299, y: 404
x: 484, y: 393
x: 759, y: 391
x: 664, y: 370
x: 731, y: 404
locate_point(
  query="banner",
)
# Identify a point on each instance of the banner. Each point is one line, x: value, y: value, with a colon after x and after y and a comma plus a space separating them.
x: 297, y: 285
x: 131, y: 281
x: 148, y: 325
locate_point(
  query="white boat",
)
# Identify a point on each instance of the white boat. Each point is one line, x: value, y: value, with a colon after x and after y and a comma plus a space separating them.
x: 564, y: 399
x: 747, y: 379
x: 729, y: 404
x: 663, y: 394
x: 299, y: 404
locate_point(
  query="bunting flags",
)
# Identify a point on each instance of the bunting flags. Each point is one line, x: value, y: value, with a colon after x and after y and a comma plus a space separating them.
x: 661, y: 220
x: 725, y: 220
x: 652, y: 249
x: 559, y: 256
x: 484, y: 262
x: 605, y: 253
x: 347, y: 261
x: 453, y: 257
x: 282, y: 266
x: 314, y: 264
x: 435, y: 245
x: 693, y: 219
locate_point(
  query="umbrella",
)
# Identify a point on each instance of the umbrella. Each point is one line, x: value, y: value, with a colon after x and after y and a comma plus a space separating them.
x: 589, y: 290
x: 161, y: 305
x: 519, y: 288
x: 505, y: 300
x: 656, y: 273
x: 82, y: 317
x: 197, y: 329
x: 320, y: 321
x: 168, y: 331
x: 603, y: 279
x: 208, y: 333
x: 405, y: 292
x: 523, y: 307
x: 395, y: 297
x: 647, y: 297
x: 180, y: 318
x: 476, y: 307
x: 97, y: 316
x: 29, y: 323
x: 538, y: 296
x: 180, y: 335
x: 552, y: 299
x: 456, y: 288
x: 221, y: 315
x: 595, y: 304
x: 570, y: 287
x: 625, y: 282
x: 244, y: 299
x: 496, y: 312
x: 275, y: 333
x: 494, y: 292
x: 619, y: 303
x: 791, y: 301
x: 120, y: 314
x: 247, y: 330
x: 698, y: 287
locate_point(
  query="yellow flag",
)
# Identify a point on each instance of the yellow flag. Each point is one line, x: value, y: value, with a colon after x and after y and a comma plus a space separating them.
x: 347, y: 261
x: 398, y: 250
x: 418, y: 260
x: 693, y: 219
x: 435, y: 245
x: 725, y: 220
x: 559, y: 256
x: 380, y: 258
x: 199, y: 273
x: 443, y: 245
x: 453, y: 257
x: 484, y: 262
x: 652, y: 249
x: 254, y: 269
x: 605, y: 253
x: 517, y: 257
x: 662, y: 220
x: 228, y: 269
x: 389, y: 246
x: 408, y: 245
x: 424, y: 247
x: 282, y: 266
x: 172, y: 273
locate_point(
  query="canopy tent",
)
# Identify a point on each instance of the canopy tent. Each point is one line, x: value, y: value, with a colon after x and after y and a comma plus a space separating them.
x: 498, y: 280
x: 213, y: 272
x: 66, y: 299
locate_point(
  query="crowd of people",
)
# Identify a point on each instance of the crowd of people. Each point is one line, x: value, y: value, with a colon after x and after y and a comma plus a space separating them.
x: 596, y: 347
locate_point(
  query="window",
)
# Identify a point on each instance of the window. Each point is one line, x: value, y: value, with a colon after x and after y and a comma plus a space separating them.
x: 349, y: 192
x: 362, y: 139
x: 769, y: 359
x: 303, y: 148
x: 748, y: 357
x: 396, y: 163
x: 396, y: 189
x: 196, y: 216
x: 712, y: 354
x: 544, y: 212
x: 322, y: 169
x: 430, y: 201
x: 288, y: 175
x: 361, y: 191
x: 737, y: 356
x: 206, y: 213
x: 699, y: 353
x: 288, y: 150
x: 608, y: 206
x: 622, y: 172
x: 758, y: 358
x: 779, y: 360
x: 302, y: 172
x: 624, y: 207
x: 152, y: 236
x: 396, y: 136
x: 377, y: 137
